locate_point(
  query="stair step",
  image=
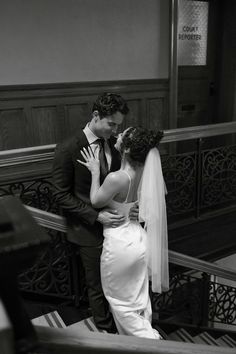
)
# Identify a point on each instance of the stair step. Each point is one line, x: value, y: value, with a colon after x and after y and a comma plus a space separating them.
x: 226, y: 341
x: 205, y: 338
x: 181, y: 335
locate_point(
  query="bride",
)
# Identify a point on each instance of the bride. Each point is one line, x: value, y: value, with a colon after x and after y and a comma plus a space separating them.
x: 130, y: 252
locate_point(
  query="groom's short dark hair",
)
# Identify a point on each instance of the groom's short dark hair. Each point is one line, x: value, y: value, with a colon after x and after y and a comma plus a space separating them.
x: 109, y: 103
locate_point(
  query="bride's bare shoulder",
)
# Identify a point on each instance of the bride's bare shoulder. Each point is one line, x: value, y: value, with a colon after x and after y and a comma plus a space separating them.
x: 117, y: 177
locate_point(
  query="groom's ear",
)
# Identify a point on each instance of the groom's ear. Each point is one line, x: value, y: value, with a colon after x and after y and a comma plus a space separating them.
x: 96, y: 116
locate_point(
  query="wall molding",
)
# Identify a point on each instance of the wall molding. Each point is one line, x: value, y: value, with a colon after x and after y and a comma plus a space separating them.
x: 8, y: 92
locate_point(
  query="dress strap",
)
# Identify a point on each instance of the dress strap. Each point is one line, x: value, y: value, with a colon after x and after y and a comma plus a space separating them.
x: 129, y: 185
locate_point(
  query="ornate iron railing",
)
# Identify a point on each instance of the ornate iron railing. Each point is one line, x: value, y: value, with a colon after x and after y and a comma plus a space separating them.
x: 180, y: 176
x: 36, y: 193
x: 196, y: 300
x: 222, y: 303
x: 50, y: 274
x: 191, y: 299
x: 200, y: 181
x: 196, y: 181
x: 183, y: 302
x: 190, y: 192
x: 218, y: 182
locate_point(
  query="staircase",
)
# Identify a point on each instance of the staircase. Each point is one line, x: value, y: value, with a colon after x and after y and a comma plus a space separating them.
x: 197, y: 335
x: 179, y: 337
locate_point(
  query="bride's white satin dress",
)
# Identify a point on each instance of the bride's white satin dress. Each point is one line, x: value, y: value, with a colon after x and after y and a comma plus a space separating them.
x: 124, y: 276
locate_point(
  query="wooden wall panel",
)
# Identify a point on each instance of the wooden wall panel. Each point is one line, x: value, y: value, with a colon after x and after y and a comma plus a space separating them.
x: 44, y: 125
x: 193, y: 102
x: 76, y: 117
x: 35, y: 115
x: 156, y: 112
x: 135, y: 116
x: 13, y: 128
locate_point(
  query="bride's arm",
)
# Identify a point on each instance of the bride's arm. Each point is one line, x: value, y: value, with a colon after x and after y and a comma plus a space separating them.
x: 100, y: 196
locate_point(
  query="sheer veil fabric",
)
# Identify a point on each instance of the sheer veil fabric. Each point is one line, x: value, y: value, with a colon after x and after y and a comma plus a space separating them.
x: 152, y: 211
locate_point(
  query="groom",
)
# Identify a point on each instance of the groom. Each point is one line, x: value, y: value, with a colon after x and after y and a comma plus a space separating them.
x: 72, y: 192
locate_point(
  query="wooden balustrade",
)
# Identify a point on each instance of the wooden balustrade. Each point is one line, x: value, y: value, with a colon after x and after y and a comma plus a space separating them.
x: 55, y: 341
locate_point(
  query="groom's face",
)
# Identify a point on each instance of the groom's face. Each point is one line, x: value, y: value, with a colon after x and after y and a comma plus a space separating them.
x: 108, y: 125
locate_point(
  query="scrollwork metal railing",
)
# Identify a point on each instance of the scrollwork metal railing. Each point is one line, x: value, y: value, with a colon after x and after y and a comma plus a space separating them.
x: 50, y: 274
x: 197, y: 181
x: 222, y: 303
x: 197, y: 301
x: 218, y: 185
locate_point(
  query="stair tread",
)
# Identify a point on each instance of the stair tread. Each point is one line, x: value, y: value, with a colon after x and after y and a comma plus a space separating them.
x: 226, y: 340
x: 224, y: 343
x: 181, y: 335
x: 205, y: 338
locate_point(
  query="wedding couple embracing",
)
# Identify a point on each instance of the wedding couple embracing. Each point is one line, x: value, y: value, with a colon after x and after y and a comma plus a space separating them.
x: 106, y: 186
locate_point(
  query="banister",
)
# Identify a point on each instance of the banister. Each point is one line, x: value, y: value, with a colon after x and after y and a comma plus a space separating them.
x: 46, y: 152
x: 72, y: 341
x: 56, y: 222
x: 197, y: 132
x: 200, y: 265
x: 48, y: 220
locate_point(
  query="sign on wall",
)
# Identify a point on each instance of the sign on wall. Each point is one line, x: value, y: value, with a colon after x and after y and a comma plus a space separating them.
x: 192, y: 32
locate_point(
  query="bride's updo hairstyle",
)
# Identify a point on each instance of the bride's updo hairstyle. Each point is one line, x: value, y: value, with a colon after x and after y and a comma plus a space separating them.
x: 139, y: 141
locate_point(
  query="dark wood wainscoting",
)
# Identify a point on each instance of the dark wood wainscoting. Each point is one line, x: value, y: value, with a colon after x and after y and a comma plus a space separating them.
x: 34, y: 115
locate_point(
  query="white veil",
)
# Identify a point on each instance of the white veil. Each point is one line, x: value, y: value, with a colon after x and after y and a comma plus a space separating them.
x: 152, y: 211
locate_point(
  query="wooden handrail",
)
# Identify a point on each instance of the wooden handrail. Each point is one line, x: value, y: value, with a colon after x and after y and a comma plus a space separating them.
x: 48, y: 220
x: 58, y: 223
x: 46, y: 152
x: 200, y: 265
x: 197, y: 132
x: 72, y: 341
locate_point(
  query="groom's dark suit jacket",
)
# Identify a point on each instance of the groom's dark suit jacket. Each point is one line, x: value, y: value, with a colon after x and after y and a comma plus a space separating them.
x: 72, y: 183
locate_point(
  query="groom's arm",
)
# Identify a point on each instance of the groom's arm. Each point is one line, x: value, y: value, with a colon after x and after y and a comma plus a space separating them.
x: 63, y: 180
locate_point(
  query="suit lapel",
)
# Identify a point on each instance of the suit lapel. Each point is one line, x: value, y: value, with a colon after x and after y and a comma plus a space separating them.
x: 84, y: 173
x: 81, y: 140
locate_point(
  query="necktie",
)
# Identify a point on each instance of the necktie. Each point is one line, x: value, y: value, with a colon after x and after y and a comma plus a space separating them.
x: 103, y: 160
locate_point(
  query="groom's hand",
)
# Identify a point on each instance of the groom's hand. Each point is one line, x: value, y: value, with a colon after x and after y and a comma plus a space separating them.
x: 133, y: 213
x: 110, y: 218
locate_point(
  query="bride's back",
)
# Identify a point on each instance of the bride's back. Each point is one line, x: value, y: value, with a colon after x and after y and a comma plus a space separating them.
x: 131, y: 180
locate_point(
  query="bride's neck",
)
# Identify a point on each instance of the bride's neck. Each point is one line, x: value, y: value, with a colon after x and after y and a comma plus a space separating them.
x: 125, y: 165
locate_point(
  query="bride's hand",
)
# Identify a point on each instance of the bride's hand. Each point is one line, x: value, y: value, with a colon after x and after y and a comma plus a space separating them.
x: 90, y: 161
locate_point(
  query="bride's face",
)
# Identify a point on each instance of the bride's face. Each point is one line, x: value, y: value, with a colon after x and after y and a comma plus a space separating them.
x: 119, y: 140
